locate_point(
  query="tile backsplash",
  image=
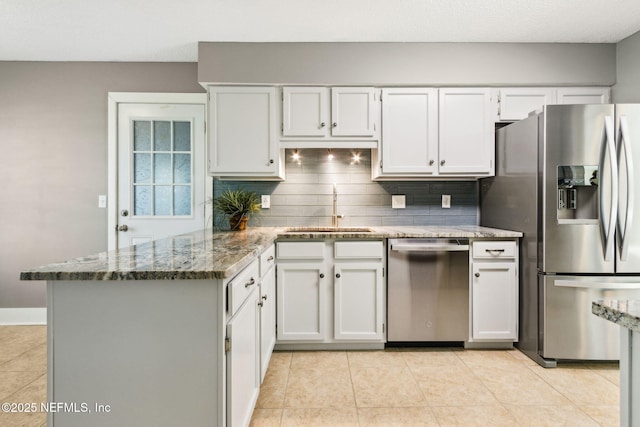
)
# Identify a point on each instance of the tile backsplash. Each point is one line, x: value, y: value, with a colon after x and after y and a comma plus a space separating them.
x: 305, y: 198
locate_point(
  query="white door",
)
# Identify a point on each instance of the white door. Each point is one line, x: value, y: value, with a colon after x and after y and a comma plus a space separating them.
x: 161, y: 171
x: 305, y: 111
x: 359, y: 301
x: 517, y: 103
x: 352, y: 111
x: 583, y: 95
x: 466, y: 131
x: 494, y: 301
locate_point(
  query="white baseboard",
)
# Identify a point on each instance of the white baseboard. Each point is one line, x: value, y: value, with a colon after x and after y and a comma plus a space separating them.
x: 23, y: 316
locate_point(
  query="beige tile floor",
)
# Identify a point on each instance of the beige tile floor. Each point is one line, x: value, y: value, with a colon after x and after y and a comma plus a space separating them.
x: 408, y: 387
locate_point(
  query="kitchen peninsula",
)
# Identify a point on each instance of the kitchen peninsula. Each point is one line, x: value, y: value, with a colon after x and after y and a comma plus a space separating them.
x: 144, y: 331
x: 626, y: 314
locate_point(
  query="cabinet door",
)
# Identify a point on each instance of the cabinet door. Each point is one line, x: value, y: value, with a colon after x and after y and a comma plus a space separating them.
x: 243, y: 377
x: 301, y: 301
x: 267, y: 306
x: 305, y: 111
x: 466, y: 131
x: 583, y: 95
x: 494, y: 301
x: 242, y: 134
x: 352, y: 111
x: 409, y: 131
x: 358, y: 301
x: 517, y: 103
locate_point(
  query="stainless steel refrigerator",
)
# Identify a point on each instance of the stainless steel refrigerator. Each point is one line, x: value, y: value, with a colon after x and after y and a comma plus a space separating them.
x: 568, y: 179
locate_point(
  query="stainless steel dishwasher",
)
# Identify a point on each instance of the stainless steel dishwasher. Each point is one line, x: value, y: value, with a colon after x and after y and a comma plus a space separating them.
x: 428, y: 291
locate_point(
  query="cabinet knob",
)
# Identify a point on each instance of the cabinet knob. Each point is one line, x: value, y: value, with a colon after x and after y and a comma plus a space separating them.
x: 260, y: 304
x: 335, y: 124
x: 477, y: 274
x: 441, y: 162
x: 337, y: 275
x: 270, y: 161
x: 123, y: 227
x: 270, y: 258
x: 322, y: 275
x: 250, y: 282
x: 431, y: 162
x: 264, y: 297
x: 323, y: 124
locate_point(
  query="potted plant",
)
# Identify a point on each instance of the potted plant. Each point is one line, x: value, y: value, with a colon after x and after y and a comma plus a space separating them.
x: 237, y: 205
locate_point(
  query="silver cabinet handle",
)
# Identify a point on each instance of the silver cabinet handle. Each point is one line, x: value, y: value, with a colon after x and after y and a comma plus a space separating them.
x: 123, y: 227
x: 494, y: 250
x: 264, y: 297
x: 250, y: 282
x: 270, y: 258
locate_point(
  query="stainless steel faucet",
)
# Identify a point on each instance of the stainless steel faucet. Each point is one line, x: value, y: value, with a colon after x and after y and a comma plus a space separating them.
x: 335, y: 216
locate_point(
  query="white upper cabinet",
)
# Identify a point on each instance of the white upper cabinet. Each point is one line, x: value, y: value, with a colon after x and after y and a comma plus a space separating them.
x: 243, y: 132
x: 305, y: 111
x: 344, y: 114
x: 466, y: 141
x: 517, y: 103
x: 583, y: 95
x: 409, y: 131
x: 429, y: 132
x: 352, y: 111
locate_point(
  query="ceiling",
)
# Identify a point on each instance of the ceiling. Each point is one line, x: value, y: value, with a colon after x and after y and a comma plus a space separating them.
x: 169, y: 30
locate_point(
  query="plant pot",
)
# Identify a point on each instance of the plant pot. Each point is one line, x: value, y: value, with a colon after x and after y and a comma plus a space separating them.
x: 238, y: 222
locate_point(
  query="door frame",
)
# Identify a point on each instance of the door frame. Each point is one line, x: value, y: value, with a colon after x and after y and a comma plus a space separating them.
x: 114, y: 100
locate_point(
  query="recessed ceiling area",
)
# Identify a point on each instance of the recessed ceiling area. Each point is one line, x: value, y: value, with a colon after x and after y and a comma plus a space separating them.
x: 169, y: 30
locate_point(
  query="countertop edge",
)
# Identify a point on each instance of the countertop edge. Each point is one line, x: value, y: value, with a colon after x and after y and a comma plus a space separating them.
x: 623, y: 313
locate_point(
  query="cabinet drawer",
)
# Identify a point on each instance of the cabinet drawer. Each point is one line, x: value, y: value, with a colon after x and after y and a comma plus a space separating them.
x: 300, y: 250
x: 494, y: 249
x: 365, y: 249
x: 267, y: 260
x: 241, y: 286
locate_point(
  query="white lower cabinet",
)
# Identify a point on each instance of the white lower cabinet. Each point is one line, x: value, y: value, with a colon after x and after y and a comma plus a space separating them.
x: 494, y: 291
x: 358, y: 306
x: 330, y: 292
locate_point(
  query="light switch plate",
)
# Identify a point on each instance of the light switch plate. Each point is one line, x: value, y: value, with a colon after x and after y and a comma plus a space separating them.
x: 102, y: 201
x: 446, y: 201
x: 266, y: 201
x: 398, y: 201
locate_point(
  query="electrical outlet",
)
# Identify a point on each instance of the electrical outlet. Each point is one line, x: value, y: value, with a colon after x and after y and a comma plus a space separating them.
x: 102, y: 201
x: 398, y: 201
x: 266, y: 201
x: 446, y: 201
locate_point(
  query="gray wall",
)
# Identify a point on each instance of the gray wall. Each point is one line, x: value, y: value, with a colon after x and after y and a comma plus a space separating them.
x: 53, y: 134
x: 544, y: 64
x: 627, y: 88
x: 306, y: 197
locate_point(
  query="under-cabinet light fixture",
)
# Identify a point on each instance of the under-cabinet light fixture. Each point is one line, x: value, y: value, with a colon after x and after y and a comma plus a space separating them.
x: 330, y: 154
x: 355, y: 158
x: 296, y: 156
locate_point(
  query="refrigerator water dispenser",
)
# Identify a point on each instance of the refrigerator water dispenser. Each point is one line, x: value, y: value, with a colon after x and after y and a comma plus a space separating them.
x: 577, y: 193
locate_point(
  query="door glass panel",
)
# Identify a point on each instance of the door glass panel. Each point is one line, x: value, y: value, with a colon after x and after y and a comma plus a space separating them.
x: 141, y: 135
x: 182, y: 136
x: 142, y: 197
x: 182, y: 168
x: 162, y: 136
x: 142, y: 167
x: 162, y: 200
x: 182, y: 200
x: 164, y: 167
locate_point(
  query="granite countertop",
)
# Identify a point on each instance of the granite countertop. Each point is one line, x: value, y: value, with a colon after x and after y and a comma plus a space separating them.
x: 206, y: 254
x: 625, y: 313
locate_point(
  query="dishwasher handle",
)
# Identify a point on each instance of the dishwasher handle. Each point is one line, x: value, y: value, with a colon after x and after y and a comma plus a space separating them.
x: 429, y: 247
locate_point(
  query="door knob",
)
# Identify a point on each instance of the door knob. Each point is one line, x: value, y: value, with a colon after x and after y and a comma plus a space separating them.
x: 123, y: 227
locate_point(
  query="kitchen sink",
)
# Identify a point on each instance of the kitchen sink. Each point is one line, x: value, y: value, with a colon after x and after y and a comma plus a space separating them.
x: 328, y: 230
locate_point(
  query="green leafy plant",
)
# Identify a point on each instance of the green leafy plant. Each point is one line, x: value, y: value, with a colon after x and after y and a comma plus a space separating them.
x: 237, y: 205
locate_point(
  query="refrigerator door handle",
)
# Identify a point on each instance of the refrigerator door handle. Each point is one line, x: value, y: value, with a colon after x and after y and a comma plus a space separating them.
x: 596, y: 285
x: 608, y: 230
x: 628, y: 220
